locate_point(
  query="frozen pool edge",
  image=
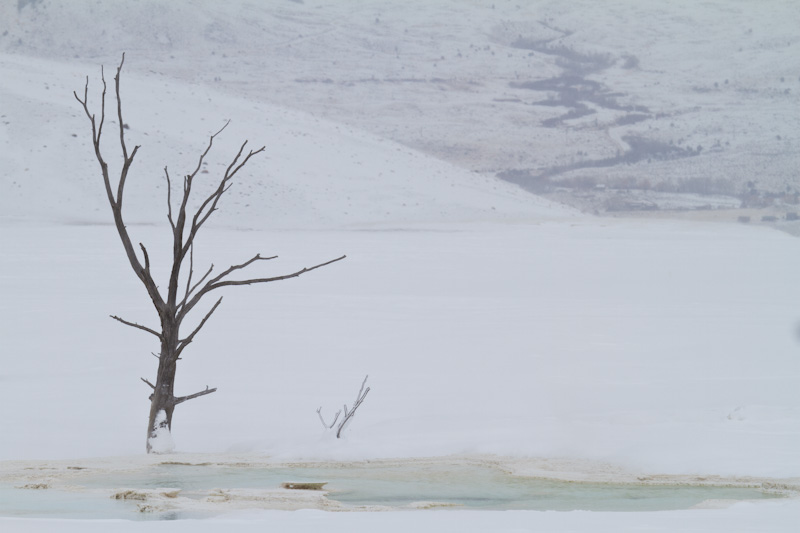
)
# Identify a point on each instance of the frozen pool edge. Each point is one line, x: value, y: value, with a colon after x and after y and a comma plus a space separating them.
x: 72, y: 476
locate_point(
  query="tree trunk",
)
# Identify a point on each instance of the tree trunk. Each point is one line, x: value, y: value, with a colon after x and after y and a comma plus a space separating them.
x: 163, y: 397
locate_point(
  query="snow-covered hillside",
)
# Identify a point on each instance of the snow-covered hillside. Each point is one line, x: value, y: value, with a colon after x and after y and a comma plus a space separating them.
x: 709, y: 91
x: 314, y: 173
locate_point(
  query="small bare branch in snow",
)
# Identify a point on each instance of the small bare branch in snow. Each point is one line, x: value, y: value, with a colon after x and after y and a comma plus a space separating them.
x: 335, y: 418
x: 348, y: 413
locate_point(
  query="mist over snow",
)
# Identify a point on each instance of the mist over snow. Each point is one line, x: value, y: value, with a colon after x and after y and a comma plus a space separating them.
x: 491, y: 321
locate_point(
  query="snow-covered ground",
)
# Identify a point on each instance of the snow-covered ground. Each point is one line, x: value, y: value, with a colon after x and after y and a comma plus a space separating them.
x: 665, y: 346
x: 491, y: 322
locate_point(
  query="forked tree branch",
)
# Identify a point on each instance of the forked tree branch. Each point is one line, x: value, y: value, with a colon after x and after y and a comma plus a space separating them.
x: 180, y: 249
x: 194, y: 287
x: 234, y: 268
x: 228, y: 283
x: 115, y: 199
x: 185, y: 342
x: 169, y: 200
x: 127, y: 161
x: 209, y: 205
x: 146, y: 258
x: 208, y: 149
x: 182, y: 244
x: 219, y: 281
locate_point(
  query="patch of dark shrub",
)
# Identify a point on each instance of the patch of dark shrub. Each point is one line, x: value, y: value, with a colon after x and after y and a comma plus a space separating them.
x: 569, y: 58
x: 616, y: 204
x: 699, y: 185
x: 537, y: 184
x: 631, y: 62
x: 631, y: 118
x: 580, y: 110
x: 641, y: 149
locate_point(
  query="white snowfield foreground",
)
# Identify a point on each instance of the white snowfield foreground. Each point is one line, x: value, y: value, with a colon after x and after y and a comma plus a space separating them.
x: 668, y: 347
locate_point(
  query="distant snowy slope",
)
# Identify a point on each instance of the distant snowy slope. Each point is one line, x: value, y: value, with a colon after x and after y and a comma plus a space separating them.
x: 466, y: 81
x: 314, y: 173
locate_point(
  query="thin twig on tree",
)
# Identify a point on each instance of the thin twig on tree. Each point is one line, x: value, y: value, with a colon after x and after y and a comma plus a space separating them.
x: 146, y: 257
x: 137, y: 326
x: 215, y: 283
x: 212, y: 285
x: 191, y: 272
x: 247, y: 263
x: 182, y: 399
x: 169, y: 200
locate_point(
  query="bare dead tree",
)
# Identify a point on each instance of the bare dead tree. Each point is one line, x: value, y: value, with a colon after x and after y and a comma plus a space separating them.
x: 179, y: 300
x: 348, y: 414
